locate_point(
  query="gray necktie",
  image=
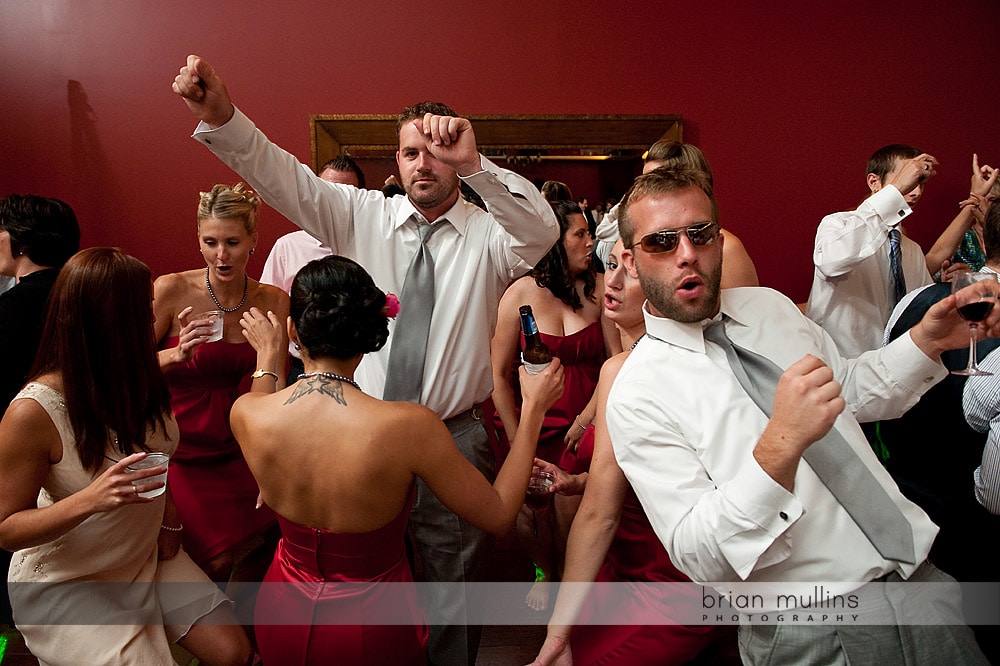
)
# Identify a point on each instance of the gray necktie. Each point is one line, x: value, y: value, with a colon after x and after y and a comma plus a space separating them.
x: 404, y: 373
x: 831, y: 458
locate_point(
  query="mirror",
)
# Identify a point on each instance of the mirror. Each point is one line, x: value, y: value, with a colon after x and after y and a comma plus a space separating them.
x: 598, y: 156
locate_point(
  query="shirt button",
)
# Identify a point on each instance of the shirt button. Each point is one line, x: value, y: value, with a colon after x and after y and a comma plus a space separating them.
x: 784, y: 516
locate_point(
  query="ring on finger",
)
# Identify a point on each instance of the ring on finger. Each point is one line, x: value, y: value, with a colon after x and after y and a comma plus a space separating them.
x: 135, y: 491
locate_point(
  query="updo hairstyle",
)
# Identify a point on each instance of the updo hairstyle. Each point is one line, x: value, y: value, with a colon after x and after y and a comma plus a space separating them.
x: 225, y: 202
x: 337, y: 309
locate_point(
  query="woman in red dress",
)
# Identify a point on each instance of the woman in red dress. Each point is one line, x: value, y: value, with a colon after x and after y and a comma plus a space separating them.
x: 215, y: 493
x: 340, y: 467
x: 562, y: 292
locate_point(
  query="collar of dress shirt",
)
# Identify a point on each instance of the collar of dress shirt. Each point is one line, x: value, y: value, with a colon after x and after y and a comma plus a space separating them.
x: 457, y: 215
x: 687, y: 336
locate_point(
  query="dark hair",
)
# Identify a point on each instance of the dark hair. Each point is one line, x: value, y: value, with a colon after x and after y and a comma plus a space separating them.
x: 884, y: 159
x: 99, y: 337
x: 337, y: 309
x: 663, y: 180
x: 554, y: 190
x: 991, y: 234
x: 345, y: 164
x: 679, y: 154
x: 416, y: 111
x: 44, y: 229
x: 552, y: 272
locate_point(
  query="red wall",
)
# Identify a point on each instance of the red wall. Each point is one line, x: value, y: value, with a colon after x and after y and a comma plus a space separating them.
x: 787, y: 100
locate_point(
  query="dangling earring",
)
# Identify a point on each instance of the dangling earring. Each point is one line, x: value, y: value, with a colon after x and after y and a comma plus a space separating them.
x: 252, y: 249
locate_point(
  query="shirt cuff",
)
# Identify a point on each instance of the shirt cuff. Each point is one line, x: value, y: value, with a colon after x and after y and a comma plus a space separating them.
x: 231, y: 136
x: 909, y: 367
x: 763, y: 500
x: 765, y: 503
x: 890, y: 205
x: 484, y: 167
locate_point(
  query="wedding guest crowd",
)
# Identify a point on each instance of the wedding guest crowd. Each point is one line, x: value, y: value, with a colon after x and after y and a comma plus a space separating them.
x: 324, y: 438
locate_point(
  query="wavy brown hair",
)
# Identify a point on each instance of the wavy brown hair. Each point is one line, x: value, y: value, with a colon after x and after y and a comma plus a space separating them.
x: 98, y: 336
x: 552, y: 272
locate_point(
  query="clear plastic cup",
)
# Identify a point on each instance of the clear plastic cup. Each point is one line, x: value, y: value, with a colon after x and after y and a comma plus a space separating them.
x: 152, y: 460
x: 214, y: 317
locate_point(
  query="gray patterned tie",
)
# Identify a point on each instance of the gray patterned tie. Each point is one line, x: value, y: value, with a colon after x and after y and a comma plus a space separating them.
x: 896, y: 265
x: 404, y: 373
x: 831, y: 458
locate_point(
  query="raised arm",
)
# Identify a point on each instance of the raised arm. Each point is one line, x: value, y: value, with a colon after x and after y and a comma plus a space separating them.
x: 325, y: 210
x: 503, y: 357
x: 843, y: 240
x: 463, y: 489
x: 203, y: 92
x: 944, y: 248
x: 266, y: 334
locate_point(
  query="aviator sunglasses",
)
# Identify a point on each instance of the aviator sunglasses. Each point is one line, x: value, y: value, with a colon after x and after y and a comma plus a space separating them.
x: 667, y: 240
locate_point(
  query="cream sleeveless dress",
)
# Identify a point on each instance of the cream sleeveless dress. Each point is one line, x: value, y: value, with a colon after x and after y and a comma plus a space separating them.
x: 98, y: 594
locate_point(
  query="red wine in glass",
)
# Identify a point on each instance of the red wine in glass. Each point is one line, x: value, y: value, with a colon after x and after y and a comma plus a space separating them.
x: 975, y: 294
x: 538, y: 496
x: 975, y: 311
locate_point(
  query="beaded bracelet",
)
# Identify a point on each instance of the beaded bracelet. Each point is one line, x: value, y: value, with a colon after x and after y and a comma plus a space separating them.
x: 172, y: 529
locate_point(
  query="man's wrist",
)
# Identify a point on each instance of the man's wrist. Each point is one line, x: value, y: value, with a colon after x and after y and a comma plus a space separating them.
x: 470, y: 169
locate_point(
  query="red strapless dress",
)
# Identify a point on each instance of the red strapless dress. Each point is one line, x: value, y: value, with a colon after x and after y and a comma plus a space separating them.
x: 582, y: 355
x: 331, y: 598
x: 636, y: 555
x: 209, y: 480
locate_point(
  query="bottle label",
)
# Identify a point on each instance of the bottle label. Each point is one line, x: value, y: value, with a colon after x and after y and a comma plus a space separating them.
x: 528, y: 326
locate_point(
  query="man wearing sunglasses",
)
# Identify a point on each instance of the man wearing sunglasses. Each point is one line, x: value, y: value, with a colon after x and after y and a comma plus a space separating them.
x: 717, y: 449
x: 863, y: 262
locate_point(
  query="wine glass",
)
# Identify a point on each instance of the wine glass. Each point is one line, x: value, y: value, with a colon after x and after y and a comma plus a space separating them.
x: 975, y: 294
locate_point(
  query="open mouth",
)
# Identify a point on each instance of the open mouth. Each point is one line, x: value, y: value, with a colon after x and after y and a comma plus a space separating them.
x: 691, y: 287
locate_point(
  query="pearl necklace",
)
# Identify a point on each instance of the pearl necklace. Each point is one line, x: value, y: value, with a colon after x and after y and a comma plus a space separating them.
x: 211, y: 292
x: 331, y: 375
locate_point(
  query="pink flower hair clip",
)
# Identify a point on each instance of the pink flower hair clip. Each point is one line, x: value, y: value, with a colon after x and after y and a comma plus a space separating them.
x: 391, y: 307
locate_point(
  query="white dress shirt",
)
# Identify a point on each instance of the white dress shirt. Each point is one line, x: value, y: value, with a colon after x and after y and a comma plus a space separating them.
x: 607, y: 234
x: 852, y: 290
x: 684, y: 430
x: 981, y: 402
x: 476, y: 254
x: 288, y: 255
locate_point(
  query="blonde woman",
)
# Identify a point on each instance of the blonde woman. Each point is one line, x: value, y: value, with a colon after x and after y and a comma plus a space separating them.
x: 215, y: 493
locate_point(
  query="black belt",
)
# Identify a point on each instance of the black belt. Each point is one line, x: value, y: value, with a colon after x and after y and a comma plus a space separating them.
x: 473, y: 414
